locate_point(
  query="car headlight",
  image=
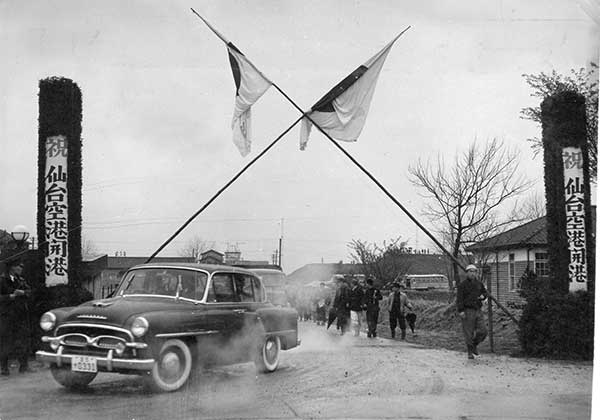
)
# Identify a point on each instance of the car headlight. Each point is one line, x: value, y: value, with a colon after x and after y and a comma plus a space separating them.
x: 139, y: 326
x: 47, y: 321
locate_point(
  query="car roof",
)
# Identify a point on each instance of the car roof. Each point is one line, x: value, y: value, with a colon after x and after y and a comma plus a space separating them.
x: 211, y: 268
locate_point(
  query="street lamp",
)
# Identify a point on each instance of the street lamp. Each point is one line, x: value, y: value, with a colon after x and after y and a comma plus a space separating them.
x: 19, y: 234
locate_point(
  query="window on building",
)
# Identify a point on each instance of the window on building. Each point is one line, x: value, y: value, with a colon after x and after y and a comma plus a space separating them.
x: 512, y: 281
x: 541, y: 264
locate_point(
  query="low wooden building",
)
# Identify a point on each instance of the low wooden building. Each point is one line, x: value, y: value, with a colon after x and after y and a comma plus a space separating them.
x: 505, y: 257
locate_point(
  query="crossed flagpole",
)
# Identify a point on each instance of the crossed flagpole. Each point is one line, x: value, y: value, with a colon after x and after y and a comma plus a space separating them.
x: 306, y: 115
x: 322, y: 130
x: 231, y: 48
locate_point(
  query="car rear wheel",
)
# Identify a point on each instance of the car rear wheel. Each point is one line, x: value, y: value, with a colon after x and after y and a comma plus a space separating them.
x: 172, y: 368
x: 72, y: 380
x: 267, y: 358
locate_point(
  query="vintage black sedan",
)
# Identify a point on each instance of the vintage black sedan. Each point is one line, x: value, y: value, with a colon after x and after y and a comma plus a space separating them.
x: 165, y: 319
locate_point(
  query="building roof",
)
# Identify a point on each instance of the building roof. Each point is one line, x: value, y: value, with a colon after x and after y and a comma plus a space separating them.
x: 321, y: 272
x: 211, y: 251
x: 123, y: 263
x: 529, y: 234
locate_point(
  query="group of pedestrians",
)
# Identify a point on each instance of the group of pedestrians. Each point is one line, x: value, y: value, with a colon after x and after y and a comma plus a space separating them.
x: 354, y: 303
x: 357, y: 303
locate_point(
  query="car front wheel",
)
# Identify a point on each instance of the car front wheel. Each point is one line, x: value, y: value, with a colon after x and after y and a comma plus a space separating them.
x: 172, y: 368
x: 72, y: 380
x: 267, y: 358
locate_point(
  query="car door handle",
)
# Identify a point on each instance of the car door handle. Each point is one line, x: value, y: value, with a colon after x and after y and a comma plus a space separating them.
x: 239, y: 311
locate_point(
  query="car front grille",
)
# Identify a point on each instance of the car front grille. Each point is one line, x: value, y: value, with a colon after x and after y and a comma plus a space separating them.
x: 92, y: 339
x: 94, y: 331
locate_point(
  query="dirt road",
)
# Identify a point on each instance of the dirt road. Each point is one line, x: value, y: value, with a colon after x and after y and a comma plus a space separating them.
x: 328, y: 376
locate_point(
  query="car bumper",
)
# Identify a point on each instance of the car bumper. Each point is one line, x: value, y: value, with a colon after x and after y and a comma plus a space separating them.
x: 106, y: 364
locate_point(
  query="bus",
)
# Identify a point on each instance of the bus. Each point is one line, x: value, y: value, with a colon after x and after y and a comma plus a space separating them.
x: 426, y: 281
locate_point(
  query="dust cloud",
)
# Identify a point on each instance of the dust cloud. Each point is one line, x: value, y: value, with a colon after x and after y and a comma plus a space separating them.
x: 322, y: 340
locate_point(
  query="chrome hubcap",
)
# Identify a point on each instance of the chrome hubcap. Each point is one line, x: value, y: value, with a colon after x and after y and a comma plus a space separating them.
x: 270, y: 351
x: 171, y: 364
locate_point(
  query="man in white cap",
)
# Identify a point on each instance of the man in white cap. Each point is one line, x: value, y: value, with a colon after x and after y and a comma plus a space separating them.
x: 470, y: 293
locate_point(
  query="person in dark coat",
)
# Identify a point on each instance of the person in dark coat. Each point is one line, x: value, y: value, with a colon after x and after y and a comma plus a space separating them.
x: 372, y: 298
x: 15, y: 329
x: 398, y: 303
x: 469, y: 296
x: 357, y: 305
x: 341, y: 305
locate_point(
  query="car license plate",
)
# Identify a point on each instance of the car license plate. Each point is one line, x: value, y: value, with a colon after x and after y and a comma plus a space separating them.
x: 84, y: 364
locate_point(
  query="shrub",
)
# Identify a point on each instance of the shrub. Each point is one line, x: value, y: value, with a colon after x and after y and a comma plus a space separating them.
x: 554, y: 324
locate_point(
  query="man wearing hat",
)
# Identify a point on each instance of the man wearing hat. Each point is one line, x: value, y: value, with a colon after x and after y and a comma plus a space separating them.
x: 14, y: 317
x: 398, y: 303
x: 469, y: 296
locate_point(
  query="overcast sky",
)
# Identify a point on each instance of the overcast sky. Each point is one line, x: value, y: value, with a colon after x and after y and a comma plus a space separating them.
x: 158, y: 99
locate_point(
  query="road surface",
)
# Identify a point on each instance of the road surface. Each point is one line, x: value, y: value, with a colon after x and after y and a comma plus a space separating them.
x: 327, y: 377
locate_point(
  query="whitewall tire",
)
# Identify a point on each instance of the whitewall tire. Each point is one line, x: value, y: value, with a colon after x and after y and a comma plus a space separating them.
x: 267, y: 359
x: 172, y: 368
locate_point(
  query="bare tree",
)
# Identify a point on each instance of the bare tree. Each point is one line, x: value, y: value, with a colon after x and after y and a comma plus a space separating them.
x: 582, y: 81
x: 194, y: 247
x: 385, y: 262
x: 533, y: 206
x: 469, y: 199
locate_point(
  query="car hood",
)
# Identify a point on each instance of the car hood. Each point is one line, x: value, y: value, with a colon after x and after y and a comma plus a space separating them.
x: 117, y: 311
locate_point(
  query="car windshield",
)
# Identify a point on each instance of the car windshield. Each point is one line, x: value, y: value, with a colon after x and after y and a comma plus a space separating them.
x: 174, y: 282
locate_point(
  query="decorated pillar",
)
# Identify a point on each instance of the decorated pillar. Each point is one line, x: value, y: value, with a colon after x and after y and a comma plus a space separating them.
x: 59, y: 180
x: 567, y: 181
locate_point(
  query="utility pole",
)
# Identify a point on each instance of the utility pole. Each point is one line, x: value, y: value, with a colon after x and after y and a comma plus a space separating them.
x: 280, y: 243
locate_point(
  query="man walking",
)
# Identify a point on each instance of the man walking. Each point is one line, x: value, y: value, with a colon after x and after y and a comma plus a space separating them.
x: 341, y: 305
x: 15, y: 331
x: 356, y: 306
x: 372, y: 298
x: 469, y: 296
x: 398, y: 305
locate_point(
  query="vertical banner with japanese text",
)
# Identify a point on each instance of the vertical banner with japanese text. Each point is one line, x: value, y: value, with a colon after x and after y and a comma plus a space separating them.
x: 56, y: 211
x: 575, y: 214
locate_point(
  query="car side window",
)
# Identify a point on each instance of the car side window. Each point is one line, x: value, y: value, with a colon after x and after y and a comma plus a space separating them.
x: 222, y: 288
x: 258, y: 291
x: 193, y: 285
x: 244, y: 288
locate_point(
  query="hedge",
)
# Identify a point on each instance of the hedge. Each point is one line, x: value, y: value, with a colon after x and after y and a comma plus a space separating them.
x: 554, y: 324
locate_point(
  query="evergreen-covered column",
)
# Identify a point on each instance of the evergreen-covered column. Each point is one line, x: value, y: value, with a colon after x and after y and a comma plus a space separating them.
x: 566, y: 174
x: 59, y: 180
